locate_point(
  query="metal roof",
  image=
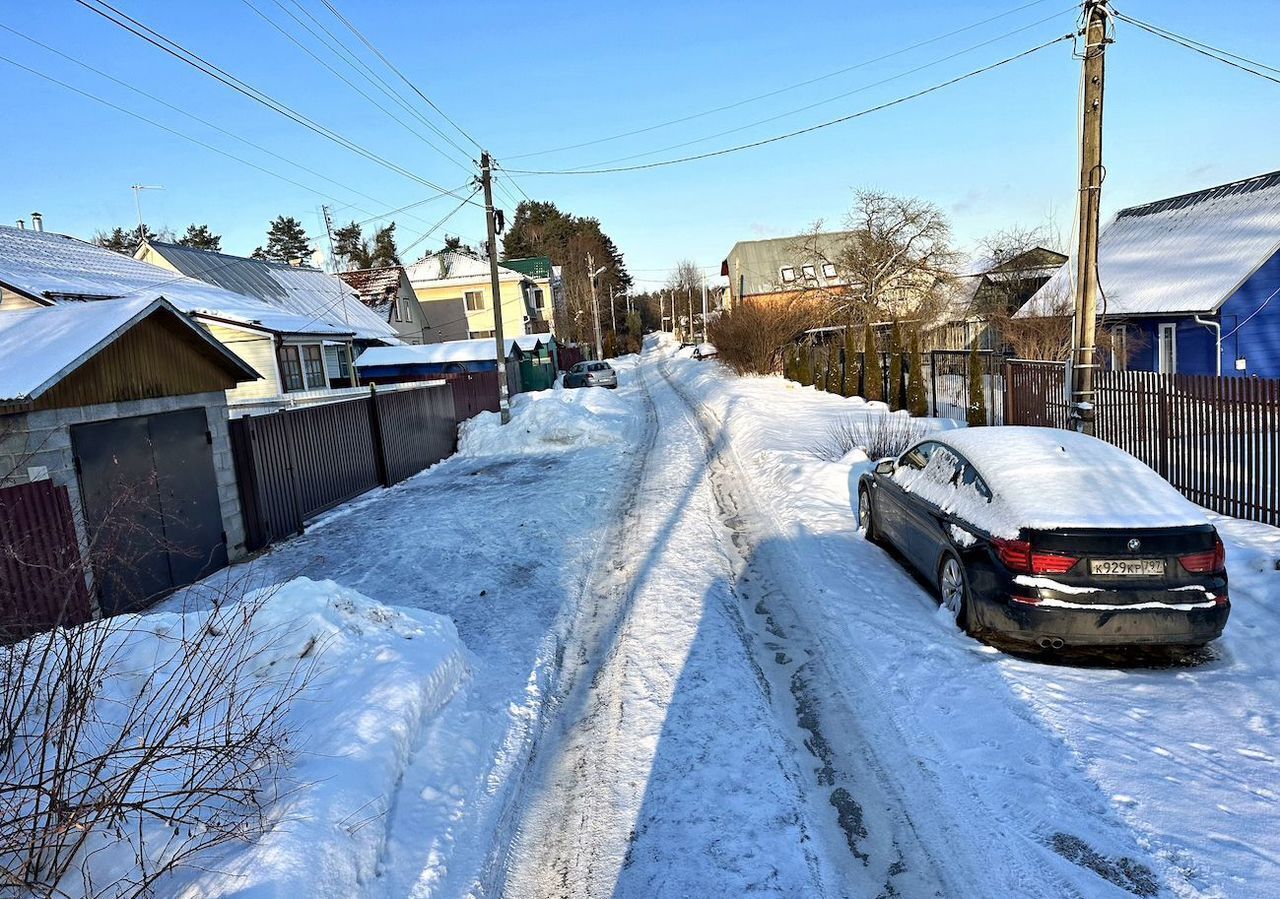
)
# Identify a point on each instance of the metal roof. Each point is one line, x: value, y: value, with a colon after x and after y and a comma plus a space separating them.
x: 759, y: 262
x: 1185, y: 255
x: 453, y: 267
x: 56, y: 268
x: 478, y: 350
x: 42, y: 346
x: 295, y: 289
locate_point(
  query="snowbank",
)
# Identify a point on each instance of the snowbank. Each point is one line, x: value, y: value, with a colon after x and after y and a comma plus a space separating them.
x: 373, y: 676
x: 549, y: 419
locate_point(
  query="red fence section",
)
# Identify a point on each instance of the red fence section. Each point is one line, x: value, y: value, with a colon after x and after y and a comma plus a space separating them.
x: 42, y: 578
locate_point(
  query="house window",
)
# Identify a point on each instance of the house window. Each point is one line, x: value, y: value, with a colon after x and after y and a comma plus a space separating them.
x: 290, y: 368
x: 539, y: 301
x: 474, y: 300
x: 788, y: 275
x: 337, y: 364
x: 828, y: 270
x: 477, y: 335
x: 395, y: 309
x: 810, y: 273
x: 313, y: 367
x: 1167, y: 349
x: 1119, y: 348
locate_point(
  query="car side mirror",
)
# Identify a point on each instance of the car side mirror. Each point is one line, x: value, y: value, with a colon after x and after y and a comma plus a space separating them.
x: 885, y: 466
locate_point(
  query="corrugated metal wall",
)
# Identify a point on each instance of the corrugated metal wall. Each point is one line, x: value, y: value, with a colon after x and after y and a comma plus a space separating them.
x: 296, y: 463
x: 42, y: 578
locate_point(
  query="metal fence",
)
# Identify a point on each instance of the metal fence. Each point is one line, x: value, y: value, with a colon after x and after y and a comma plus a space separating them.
x: 950, y: 384
x: 42, y: 578
x: 294, y: 464
x: 1217, y: 440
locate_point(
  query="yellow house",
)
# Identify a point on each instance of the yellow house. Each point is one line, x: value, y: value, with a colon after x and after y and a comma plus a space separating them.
x: 456, y: 295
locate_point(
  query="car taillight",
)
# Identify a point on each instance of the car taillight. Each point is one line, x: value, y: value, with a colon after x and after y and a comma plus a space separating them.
x: 1017, y: 556
x: 1212, y: 561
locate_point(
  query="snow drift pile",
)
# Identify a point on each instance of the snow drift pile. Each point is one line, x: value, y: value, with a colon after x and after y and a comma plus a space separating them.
x: 254, y: 744
x: 547, y: 420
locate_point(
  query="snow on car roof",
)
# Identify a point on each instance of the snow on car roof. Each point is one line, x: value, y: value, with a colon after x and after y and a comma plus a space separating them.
x: 1046, y: 478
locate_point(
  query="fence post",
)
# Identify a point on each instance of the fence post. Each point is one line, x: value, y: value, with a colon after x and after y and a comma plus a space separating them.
x: 1008, y: 393
x: 375, y: 428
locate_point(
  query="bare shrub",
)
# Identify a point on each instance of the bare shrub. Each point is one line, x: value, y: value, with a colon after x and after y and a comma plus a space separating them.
x: 126, y: 749
x: 878, y: 436
x: 753, y: 337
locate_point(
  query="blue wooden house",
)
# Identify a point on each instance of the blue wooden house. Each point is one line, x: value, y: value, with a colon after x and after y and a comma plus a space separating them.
x: 1190, y: 284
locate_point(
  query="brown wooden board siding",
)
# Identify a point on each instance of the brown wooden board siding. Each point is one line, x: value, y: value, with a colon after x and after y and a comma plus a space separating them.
x: 159, y: 356
x: 294, y: 464
x: 42, y: 580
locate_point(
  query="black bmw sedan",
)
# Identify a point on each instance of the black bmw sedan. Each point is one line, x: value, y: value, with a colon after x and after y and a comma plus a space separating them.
x: 1044, y: 538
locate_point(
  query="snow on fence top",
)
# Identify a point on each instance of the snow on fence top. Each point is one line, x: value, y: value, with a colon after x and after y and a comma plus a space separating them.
x: 479, y: 350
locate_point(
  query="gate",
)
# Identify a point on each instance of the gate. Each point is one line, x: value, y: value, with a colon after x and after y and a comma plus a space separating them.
x: 153, y: 519
x: 949, y: 384
x: 473, y: 392
x: 1036, y: 394
x: 42, y: 577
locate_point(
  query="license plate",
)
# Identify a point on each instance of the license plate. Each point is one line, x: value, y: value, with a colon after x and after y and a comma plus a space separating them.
x: 1127, y: 567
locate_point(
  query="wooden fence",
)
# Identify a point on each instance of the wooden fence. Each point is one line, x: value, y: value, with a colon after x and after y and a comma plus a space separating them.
x: 294, y: 464
x: 42, y: 578
x: 1217, y: 440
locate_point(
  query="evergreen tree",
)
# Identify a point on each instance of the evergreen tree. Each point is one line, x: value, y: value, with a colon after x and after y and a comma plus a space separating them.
x: 454, y: 244
x: 806, y: 366
x: 917, y: 394
x: 895, y: 368
x: 199, y: 237
x: 348, y: 246
x: 123, y: 240
x: 850, y: 364
x: 976, y: 412
x: 286, y: 239
x: 384, y: 247
x: 874, y: 380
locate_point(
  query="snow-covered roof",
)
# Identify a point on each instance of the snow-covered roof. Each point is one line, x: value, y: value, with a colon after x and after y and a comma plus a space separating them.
x: 376, y: 287
x: 1187, y: 254
x: 293, y: 289
x: 479, y: 350
x: 57, y: 268
x: 41, y: 346
x: 454, y: 267
x: 1045, y: 478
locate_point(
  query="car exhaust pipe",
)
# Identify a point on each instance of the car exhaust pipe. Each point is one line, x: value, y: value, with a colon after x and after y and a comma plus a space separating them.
x: 1050, y: 642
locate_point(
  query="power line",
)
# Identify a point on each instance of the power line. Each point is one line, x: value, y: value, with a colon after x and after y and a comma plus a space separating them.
x: 347, y: 81
x: 208, y: 124
x: 780, y: 137
x: 359, y: 34
x: 176, y: 50
x: 842, y: 96
x: 782, y: 90
x: 431, y: 230
x: 1223, y: 56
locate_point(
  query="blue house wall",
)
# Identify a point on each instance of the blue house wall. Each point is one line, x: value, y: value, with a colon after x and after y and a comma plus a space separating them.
x: 1257, y: 340
x: 1196, y: 345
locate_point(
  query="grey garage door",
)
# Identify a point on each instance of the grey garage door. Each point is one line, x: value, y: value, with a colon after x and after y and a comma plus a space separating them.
x: 150, y: 498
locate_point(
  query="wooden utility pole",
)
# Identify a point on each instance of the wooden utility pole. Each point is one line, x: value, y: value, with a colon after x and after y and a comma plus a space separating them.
x: 504, y: 404
x: 595, y: 306
x: 1084, y: 355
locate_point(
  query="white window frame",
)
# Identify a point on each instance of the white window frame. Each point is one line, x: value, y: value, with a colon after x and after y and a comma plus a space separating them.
x: 1119, y: 347
x: 810, y: 272
x: 478, y: 296
x: 1167, y: 331
x: 788, y: 274
x: 828, y: 270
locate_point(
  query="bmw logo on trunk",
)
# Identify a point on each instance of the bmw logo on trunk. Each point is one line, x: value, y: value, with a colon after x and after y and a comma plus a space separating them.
x: 1134, y: 545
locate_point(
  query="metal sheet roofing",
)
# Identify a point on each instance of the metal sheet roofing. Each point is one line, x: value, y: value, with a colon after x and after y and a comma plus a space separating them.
x: 293, y: 289
x: 479, y: 350
x: 42, y: 346
x: 759, y: 262
x: 60, y: 269
x: 1186, y: 254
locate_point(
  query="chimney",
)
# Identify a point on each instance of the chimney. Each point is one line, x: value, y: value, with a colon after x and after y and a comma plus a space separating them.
x: 22, y: 226
x: 295, y: 261
x: 37, y: 221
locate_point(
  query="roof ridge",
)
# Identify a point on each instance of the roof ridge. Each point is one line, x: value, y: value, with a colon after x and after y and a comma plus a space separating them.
x: 1153, y: 206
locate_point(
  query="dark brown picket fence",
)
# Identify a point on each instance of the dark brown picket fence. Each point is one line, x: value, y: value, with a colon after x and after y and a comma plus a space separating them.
x: 1215, y: 439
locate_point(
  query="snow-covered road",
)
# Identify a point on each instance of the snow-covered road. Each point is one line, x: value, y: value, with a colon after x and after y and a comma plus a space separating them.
x: 691, y: 676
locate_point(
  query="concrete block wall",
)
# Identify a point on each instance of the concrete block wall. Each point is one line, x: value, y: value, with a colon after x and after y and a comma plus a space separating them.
x: 43, y: 438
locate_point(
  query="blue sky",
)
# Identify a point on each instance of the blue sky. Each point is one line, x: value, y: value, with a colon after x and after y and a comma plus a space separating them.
x: 993, y: 151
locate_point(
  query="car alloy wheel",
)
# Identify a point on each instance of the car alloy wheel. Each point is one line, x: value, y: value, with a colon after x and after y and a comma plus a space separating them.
x: 953, y: 589
x: 866, y: 519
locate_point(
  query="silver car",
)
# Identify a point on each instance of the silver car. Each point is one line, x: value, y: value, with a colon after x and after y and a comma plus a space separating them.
x: 591, y: 374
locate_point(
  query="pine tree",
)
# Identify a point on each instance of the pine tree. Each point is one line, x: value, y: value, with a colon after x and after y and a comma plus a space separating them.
x: 895, y: 368
x: 384, y: 247
x: 850, y: 364
x: 199, y: 237
x: 976, y: 412
x: 917, y: 395
x: 123, y: 240
x: 874, y: 386
x: 286, y: 239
